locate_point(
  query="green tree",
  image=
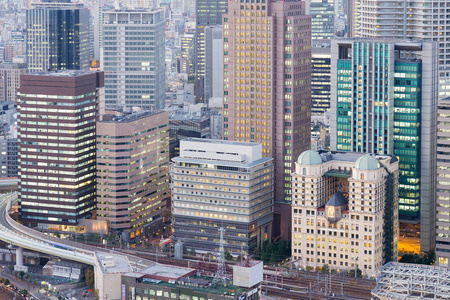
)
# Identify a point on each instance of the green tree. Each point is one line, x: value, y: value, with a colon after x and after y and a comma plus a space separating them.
x: 7, y: 281
x: 228, y: 256
x: 89, y: 275
x: 257, y: 253
x: 325, y: 269
x: 21, y: 274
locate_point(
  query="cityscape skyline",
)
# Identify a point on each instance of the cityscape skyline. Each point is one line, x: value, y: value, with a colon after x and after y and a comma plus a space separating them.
x: 306, y: 134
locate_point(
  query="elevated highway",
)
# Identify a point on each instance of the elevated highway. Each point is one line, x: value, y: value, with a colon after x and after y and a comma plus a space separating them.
x: 25, y: 237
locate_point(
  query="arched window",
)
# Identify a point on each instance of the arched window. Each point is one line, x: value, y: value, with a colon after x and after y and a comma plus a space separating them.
x: 304, y: 171
x: 362, y: 176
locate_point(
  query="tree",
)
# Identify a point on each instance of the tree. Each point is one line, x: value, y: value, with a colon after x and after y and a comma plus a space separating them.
x: 24, y: 292
x: 228, y: 256
x: 89, y: 275
x: 325, y: 269
x: 11, y: 269
x: 257, y: 253
x: 7, y: 281
x: 21, y: 274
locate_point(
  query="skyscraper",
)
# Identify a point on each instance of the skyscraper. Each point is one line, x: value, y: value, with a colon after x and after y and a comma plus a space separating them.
x: 133, y: 189
x: 413, y: 20
x: 10, y: 81
x: 208, y: 12
x: 443, y: 184
x: 57, y: 36
x: 267, y: 87
x: 320, y: 80
x: 57, y: 112
x: 213, y: 63
x: 384, y: 100
x: 133, y: 58
x: 322, y: 18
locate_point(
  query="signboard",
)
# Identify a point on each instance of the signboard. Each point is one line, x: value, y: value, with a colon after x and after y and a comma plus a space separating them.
x: 123, y: 292
x: 254, y: 291
x: 242, y: 297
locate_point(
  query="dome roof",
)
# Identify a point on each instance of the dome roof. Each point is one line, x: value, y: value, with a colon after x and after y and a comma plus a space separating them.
x: 367, y: 162
x: 309, y: 157
x: 338, y: 199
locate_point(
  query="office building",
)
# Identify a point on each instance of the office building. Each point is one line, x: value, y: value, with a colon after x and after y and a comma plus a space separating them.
x: 57, y: 36
x: 443, y: 184
x: 213, y: 64
x: 10, y: 81
x: 320, y: 80
x: 133, y: 171
x: 384, y: 100
x: 57, y: 113
x: 267, y: 87
x: 345, y: 211
x: 322, y: 18
x: 412, y: 20
x: 133, y: 59
x: 188, y: 121
x: 8, y: 156
x: 221, y: 184
x: 173, y: 282
x: 208, y: 12
x: 187, y: 54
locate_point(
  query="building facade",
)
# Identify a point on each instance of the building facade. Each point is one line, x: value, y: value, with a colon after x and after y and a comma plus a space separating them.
x: 320, y: 80
x: 57, y: 112
x: 187, y: 54
x: 132, y: 171
x: 443, y: 184
x: 384, y: 98
x: 412, y: 20
x: 345, y: 211
x: 322, y: 18
x: 57, y: 36
x: 133, y: 59
x: 267, y: 87
x: 9, y: 159
x: 213, y: 63
x: 208, y: 12
x: 10, y: 81
x: 221, y: 184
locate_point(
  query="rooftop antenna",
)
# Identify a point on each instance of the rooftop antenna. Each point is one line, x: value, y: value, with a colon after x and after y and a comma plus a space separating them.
x: 221, y: 274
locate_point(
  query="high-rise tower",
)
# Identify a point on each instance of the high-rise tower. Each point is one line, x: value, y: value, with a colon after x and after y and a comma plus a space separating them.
x: 57, y: 113
x: 267, y: 87
x: 133, y: 58
x: 208, y: 12
x: 57, y: 36
x: 409, y: 19
x: 384, y: 100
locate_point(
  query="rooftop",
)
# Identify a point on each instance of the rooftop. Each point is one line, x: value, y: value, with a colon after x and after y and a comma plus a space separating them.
x: 113, y: 263
x: 167, y: 271
x: 213, y: 141
x: 216, y: 289
x: 64, y: 73
x: 131, y: 117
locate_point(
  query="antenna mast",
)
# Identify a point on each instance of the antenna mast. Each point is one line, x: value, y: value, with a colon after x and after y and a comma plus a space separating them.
x: 221, y: 274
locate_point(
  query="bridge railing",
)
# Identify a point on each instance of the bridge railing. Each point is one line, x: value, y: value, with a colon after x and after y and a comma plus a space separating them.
x: 22, y: 228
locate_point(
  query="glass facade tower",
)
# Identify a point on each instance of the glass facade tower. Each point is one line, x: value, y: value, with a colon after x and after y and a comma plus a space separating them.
x: 57, y: 37
x: 384, y: 104
x: 208, y: 12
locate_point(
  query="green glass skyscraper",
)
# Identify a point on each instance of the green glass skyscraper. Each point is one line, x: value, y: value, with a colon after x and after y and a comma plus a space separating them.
x: 384, y: 95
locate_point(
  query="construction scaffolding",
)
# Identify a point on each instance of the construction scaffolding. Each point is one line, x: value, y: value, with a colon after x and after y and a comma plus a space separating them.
x: 412, y: 282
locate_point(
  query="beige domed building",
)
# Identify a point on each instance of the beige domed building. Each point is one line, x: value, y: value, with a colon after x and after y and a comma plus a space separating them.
x: 345, y: 211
